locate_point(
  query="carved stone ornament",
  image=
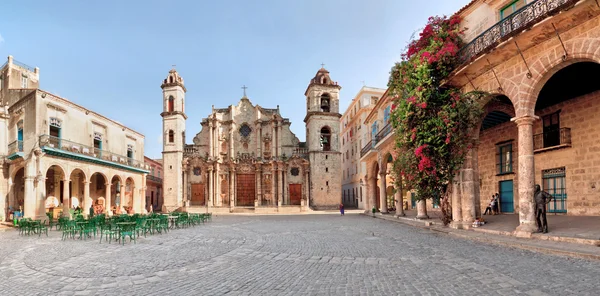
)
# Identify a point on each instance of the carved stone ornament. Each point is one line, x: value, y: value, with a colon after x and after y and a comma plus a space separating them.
x: 295, y: 171
x: 245, y: 168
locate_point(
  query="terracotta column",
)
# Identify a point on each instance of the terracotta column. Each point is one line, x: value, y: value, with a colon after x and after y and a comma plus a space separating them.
x: 399, y: 197
x: 382, y: 193
x: 422, y: 209
x: 41, y: 198
x: 107, y: 195
x: 526, y: 175
x: 66, y: 198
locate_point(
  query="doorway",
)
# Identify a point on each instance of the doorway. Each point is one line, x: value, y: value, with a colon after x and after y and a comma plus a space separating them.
x: 506, y: 197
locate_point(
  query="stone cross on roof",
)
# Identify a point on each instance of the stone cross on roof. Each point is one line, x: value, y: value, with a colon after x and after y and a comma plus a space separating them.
x: 244, y: 88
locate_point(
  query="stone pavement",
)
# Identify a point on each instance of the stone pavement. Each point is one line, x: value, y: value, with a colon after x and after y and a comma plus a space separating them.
x: 287, y: 255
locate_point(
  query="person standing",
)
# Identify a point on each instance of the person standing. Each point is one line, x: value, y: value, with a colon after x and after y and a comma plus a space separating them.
x: 541, y: 198
x: 496, y: 207
x: 489, y: 207
x: 342, y: 209
x: 493, y: 205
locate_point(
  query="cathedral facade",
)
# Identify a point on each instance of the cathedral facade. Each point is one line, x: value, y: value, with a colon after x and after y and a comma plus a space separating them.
x: 246, y: 158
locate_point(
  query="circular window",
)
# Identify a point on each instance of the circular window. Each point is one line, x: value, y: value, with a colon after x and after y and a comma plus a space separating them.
x: 245, y: 130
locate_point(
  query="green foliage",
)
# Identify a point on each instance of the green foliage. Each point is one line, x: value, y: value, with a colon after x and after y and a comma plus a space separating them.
x: 433, y: 122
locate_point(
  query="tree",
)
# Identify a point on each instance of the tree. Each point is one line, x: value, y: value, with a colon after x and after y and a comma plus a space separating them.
x: 433, y: 122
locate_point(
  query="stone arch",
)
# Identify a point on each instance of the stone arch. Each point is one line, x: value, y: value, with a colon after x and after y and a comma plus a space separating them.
x: 546, y: 65
x: 129, y: 194
x: 75, y: 169
x: 56, y: 164
x: 16, y: 170
x: 495, y: 103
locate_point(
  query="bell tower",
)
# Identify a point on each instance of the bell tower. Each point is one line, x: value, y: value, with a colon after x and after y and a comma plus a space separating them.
x: 173, y: 139
x: 322, y: 139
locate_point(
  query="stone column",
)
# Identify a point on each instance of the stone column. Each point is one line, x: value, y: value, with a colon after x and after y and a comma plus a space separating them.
x: 279, y: 185
x: 83, y: 203
x: 273, y: 140
x: 122, y: 194
x: 258, y: 186
x: 210, y: 181
x: 107, y: 195
x: 372, y: 191
x: 526, y: 176
x: 383, y: 193
x: 29, y: 199
x: 279, y: 132
x: 258, y: 135
x: 185, y: 184
x: 66, y: 198
x: 456, y: 202
x: 422, y: 209
x: 41, y: 198
x: 273, y: 185
x: 468, y: 190
x: 476, y: 182
x: 211, y: 141
x: 217, y: 185
x: 399, y: 197
x: 305, y: 192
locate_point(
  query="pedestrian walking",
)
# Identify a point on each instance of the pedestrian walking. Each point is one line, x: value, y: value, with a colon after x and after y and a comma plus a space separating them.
x: 374, y: 209
x: 342, y: 209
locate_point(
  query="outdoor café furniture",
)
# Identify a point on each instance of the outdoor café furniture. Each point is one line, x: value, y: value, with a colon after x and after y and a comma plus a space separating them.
x: 126, y: 229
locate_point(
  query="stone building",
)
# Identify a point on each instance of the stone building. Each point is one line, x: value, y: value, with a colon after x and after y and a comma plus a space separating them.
x: 354, y: 134
x: 57, y: 155
x: 154, y: 198
x: 377, y: 155
x: 245, y: 158
x: 539, y: 61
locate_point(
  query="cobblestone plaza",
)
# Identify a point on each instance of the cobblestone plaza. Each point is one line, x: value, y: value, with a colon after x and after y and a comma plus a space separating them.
x: 286, y: 255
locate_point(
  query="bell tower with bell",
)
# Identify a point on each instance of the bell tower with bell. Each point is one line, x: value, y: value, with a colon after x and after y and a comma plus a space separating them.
x: 174, y: 117
x: 322, y: 139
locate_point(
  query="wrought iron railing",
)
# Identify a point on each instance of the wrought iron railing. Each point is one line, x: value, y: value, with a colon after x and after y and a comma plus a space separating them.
x: 154, y: 179
x: 14, y: 147
x: 370, y: 145
x: 190, y: 149
x: 515, y: 23
x: 78, y: 148
x: 550, y: 139
x: 23, y: 65
x: 4, y: 65
x: 386, y: 130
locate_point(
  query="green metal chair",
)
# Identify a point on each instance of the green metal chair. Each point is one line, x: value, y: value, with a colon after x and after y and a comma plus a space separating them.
x: 125, y: 230
x: 109, y: 231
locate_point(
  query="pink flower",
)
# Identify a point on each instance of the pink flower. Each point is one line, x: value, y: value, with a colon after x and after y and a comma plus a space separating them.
x: 423, y: 105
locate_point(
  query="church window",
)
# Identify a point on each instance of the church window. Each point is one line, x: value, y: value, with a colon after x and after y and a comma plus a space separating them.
x: 245, y: 130
x: 325, y: 139
x: 171, y: 136
x: 326, y: 170
x: 171, y: 104
x: 295, y: 171
x: 197, y: 171
x: 170, y: 79
x: 325, y: 100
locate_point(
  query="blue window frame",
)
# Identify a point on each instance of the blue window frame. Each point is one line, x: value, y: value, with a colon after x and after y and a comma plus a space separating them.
x: 504, y: 158
x: 511, y: 8
x: 554, y: 182
x: 386, y: 114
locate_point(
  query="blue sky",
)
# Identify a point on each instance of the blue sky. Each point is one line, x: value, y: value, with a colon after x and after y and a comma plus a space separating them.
x: 111, y: 56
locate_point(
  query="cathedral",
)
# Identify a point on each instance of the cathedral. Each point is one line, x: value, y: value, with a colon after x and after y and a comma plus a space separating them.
x: 246, y: 159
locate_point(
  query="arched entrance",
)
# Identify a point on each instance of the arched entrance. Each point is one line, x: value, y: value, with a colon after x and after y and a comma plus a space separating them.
x: 497, y: 164
x: 567, y: 105
x: 16, y: 201
x: 116, y: 185
x: 58, y: 191
x: 376, y: 200
x: 128, y: 195
x: 98, y: 192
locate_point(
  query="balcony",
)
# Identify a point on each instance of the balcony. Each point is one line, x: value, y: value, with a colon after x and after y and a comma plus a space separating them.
x: 552, y: 140
x: 512, y: 25
x: 301, y: 152
x: 60, y: 147
x: 370, y: 146
x: 14, y: 147
x: 386, y: 130
x: 154, y: 179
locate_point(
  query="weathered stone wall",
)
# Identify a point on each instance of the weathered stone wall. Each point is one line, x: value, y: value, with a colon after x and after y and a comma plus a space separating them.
x: 326, y: 179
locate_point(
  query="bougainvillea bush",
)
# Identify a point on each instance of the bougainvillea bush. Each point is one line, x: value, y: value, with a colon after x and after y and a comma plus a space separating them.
x: 433, y: 121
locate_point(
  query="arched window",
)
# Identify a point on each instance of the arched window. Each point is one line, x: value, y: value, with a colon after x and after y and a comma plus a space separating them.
x: 170, y: 79
x: 325, y: 100
x: 171, y: 136
x: 171, y: 103
x: 325, y: 139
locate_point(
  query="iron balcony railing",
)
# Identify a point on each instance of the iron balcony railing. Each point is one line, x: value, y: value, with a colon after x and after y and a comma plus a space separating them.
x: 549, y: 139
x: 515, y: 23
x: 386, y: 130
x: 23, y: 65
x: 370, y: 145
x: 154, y: 179
x: 14, y: 147
x: 78, y: 148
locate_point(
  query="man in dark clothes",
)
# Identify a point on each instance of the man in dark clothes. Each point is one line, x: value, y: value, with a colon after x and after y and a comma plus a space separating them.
x: 541, y: 198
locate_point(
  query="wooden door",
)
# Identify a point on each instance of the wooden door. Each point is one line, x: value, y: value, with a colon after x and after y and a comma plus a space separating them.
x: 295, y: 194
x: 198, y: 195
x: 246, y: 186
